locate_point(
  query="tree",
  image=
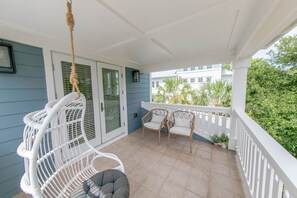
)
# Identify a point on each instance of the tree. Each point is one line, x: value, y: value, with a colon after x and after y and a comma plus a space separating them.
x: 174, y: 91
x: 272, y: 102
x: 214, y: 94
x: 285, y: 54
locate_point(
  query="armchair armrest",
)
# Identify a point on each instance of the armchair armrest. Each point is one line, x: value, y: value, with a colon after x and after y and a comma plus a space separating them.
x: 147, y: 117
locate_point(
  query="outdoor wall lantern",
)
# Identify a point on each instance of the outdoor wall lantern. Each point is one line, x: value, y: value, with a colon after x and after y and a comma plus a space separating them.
x: 136, y: 76
x: 7, y: 64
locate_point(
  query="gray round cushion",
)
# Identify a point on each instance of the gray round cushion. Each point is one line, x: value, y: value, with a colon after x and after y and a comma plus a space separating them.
x: 107, y: 184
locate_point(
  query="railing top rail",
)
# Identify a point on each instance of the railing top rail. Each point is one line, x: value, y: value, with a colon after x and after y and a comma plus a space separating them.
x: 226, y: 110
x: 279, y: 158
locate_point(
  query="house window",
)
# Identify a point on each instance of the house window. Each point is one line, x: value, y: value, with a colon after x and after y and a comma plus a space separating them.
x: 200, y: 67
x: 208, y: 79
x: 209, y: 66
x: 153, y: 83
x: 192, y: 68
x: 185, y: 69
x: 200, y: 80
x: 192, y: 80
x: 185, y: 80
x: 157, y: 83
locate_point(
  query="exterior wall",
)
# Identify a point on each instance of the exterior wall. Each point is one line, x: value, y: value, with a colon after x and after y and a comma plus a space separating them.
x: 20, y: 94
x: 136, y: 93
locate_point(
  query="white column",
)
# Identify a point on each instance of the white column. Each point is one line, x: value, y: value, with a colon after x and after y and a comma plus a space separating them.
x: 240, y: 68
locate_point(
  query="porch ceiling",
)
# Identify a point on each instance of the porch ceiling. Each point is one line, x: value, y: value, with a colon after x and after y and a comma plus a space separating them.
x: 155, y: 34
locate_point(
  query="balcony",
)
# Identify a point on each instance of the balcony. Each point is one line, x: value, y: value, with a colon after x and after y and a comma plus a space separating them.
x: 266, y: 168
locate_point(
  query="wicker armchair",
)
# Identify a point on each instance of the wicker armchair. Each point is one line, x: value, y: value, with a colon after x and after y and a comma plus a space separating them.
x: 155, y: 120
x: 181, y: 123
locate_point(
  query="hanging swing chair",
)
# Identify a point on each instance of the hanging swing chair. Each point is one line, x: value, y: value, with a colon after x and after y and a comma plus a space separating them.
x: 59, y: 160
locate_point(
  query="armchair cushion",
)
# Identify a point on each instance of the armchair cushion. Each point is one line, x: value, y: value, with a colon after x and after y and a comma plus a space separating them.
x: 157, y: 118
x: 180, y: 130
x: 152, y: 125
x: 180, y: 122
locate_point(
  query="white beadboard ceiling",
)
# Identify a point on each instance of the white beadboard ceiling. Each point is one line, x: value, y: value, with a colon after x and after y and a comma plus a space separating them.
x: 157, y: 34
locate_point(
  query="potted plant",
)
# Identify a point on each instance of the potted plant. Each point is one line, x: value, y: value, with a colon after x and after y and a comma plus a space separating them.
x: 215, y: 139
x: 224, y: 139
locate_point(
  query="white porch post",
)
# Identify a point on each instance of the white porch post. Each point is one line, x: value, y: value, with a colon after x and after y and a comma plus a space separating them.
x: 240, y: 67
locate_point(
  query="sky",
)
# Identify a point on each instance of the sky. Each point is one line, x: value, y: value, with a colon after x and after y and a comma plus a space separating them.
x: 263, y: 53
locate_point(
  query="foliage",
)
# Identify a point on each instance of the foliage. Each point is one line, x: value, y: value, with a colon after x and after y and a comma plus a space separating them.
x: 214, y: 94
x: 215, y: 138
x: 174, y: 91
x: 227, y: 66
x: 272, y: 102
x: 285, y: 54
x: 224, y: 138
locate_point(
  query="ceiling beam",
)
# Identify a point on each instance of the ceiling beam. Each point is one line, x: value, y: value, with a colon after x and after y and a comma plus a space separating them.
x: 283, y: 19
x: 137, y: 30
x: 214, y: 57
x: 188, y: 17
x: 245, y: 42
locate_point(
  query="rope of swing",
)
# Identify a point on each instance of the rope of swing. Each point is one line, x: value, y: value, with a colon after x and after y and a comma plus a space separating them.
x: 70, y: 22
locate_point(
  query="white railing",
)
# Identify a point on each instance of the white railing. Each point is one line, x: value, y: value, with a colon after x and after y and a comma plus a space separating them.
x: 269, y: 170
x: 209, y: 120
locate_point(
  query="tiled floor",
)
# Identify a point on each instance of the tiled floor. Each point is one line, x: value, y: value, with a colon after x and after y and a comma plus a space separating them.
x: 169, y: 171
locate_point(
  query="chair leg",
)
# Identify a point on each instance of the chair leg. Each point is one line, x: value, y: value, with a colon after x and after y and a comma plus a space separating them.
x: 190, y: 144
x: 142, y: 131
x: 168, y: 137
x: 159, y: 136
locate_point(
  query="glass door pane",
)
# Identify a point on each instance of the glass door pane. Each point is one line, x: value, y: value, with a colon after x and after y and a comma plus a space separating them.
x: 111, y: 92
x: 85, y: 85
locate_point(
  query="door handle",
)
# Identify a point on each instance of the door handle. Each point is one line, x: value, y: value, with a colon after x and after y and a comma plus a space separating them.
x: 102, y: 108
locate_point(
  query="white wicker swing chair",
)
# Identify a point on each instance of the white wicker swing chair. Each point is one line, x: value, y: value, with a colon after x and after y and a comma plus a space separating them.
x: 54, y: 149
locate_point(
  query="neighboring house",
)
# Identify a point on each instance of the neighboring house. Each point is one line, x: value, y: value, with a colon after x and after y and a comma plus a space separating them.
x: 195, y: 76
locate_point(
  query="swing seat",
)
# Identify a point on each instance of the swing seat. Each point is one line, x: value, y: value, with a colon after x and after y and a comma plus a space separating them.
x: 58, y: 157
x: 107, y: 184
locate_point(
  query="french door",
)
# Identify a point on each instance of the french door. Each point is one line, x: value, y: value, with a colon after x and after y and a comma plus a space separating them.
x: 111, y: 101
x: 101, y: 84
x: 86, y: 71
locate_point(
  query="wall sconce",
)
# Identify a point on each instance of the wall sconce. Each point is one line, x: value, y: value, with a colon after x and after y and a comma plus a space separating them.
x: 7, y: 64
x: 136, y: 76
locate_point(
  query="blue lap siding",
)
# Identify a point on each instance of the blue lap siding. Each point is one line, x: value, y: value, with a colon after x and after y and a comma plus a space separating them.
x: 20, y: 94
x: 136, y: 92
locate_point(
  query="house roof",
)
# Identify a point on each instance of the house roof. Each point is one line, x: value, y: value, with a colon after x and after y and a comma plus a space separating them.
x: 152, y: 35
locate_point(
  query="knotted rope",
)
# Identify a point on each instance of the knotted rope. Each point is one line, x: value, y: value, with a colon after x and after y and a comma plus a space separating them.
x: 70, y: 22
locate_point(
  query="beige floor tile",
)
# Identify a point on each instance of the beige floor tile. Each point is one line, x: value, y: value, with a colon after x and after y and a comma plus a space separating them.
x: 147, y: 163
x: 133, y: 187
x: 153, y: 182
x: 142, y: 192
x: 178, y: 177
x: 203, y: 154
x: 161, y: 169
x: 168, y: 160
x: 203, y: 146
x: 182, y: 166
x: 172, y: 153
x: 171, y: 190
x: 201, y: 174
x: 139, y: 174
x: 220, y: 169
x: 198, y: 186
x: 189, y: 194
x: 218, y: 192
